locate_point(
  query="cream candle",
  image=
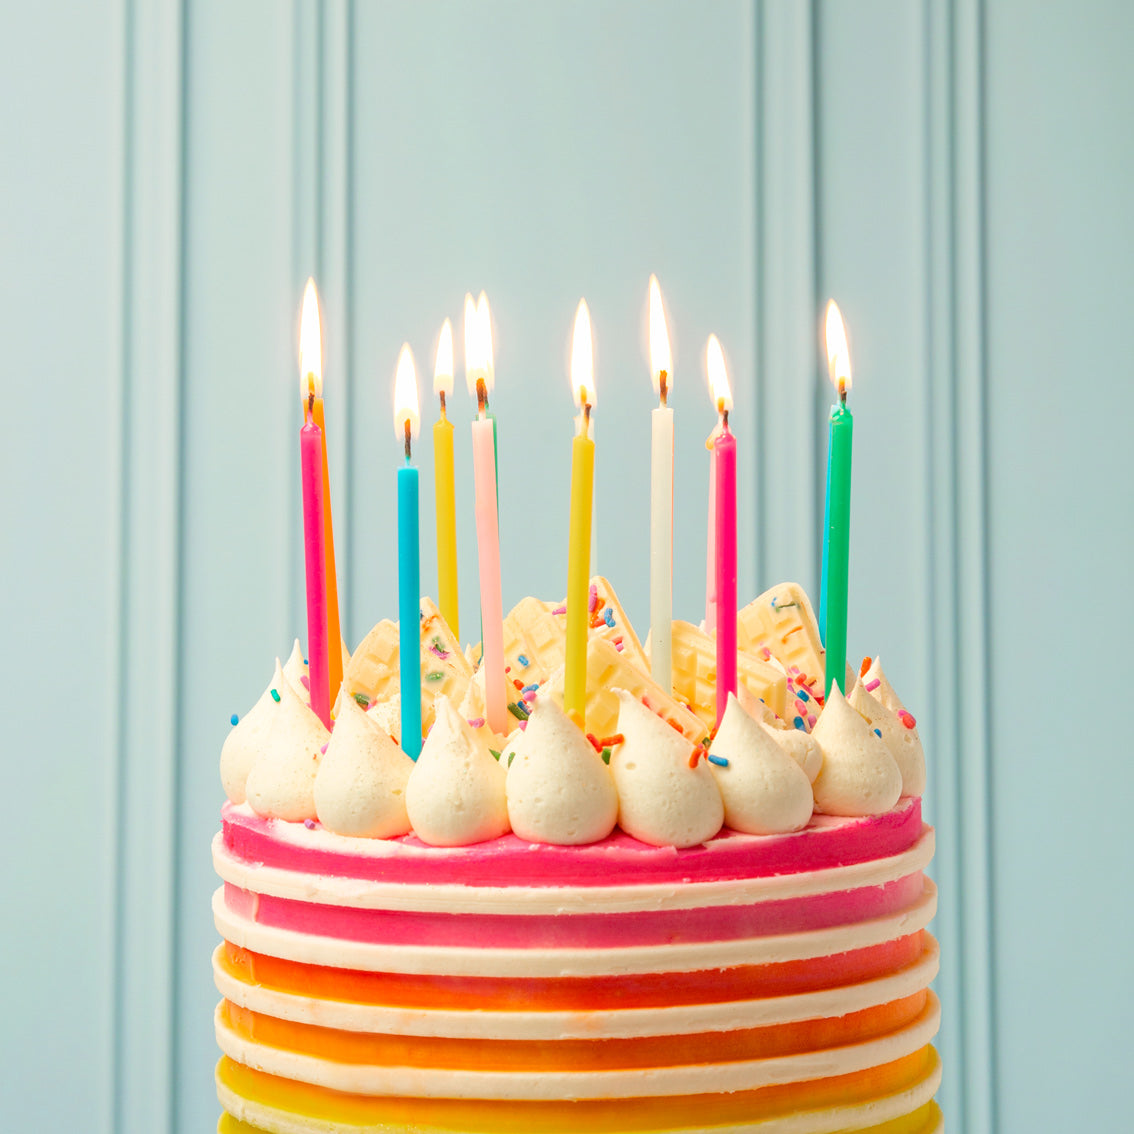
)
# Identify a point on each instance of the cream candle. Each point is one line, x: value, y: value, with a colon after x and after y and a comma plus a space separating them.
x: 661, y: 497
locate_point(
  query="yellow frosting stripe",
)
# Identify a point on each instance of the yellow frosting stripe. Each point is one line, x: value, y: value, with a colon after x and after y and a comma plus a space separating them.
x: 608, y: 1116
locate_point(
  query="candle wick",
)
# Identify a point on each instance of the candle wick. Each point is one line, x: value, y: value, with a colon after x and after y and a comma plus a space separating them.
x: 407, y: 440
x: 842, y: 392
x: 663, y: 387
x: 481, y: 397
x: 310, y: 398
x: 724, y: 419
x: 441, y: 394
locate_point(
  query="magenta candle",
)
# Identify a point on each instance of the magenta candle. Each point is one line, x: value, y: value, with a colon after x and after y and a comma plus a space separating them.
x: 311, y: 471
x: 711, y: 557
x: 724, y: 460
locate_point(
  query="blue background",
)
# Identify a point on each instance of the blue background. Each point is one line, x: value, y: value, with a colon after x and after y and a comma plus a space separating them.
x: 957, y: 174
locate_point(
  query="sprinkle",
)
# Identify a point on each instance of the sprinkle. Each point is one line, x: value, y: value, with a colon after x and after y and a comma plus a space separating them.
x: 872, y: 685
x: 507, y: 669
x: 323, y: 750
x: 803, y: 695
x: 878, y: 733
x: 496, y: 754
x: 362, y: 699
x: 593, y: 600
x: 435, y: 675
x: 523, y: 725
x: 437, y: 651
x: 800, y: 707
x: 305, y: 681
x: 617, y: 641
x: 512, y: 754
x: 304, y: 661
x: 798, y: 722
x: 793, y: 630
x: 476, y: 722
x: 518, y: 683
x: 907, y: 718
x: 794, y: 669
x: 720, y: 761
x: 674, y: 725
x: 530, y: 688
x: 765, y: 653
x: 811, y: 721
x: 309, y: 824
x: 234, y: 719
x: 608, y: 617
x: 618, y: 645
x: 275, y: 696
x: 864, y: 667
x: 605, y: 755
x: 523, y: 661
x: 559, y: 610
x: 518, y: 711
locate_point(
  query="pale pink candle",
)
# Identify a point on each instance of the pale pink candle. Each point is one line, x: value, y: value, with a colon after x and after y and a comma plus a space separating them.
x: 311, y: 469
x: 488, y: 554
x: 724, y: 461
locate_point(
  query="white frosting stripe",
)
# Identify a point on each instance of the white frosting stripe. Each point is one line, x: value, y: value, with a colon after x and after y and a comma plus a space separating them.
x: 689, y: 1079
x: 682, y: 1019
x: 456, y: 899
x: 826, y: 1120
x: 248, y: 934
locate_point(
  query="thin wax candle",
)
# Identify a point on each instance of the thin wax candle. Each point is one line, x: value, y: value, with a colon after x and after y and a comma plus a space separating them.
x: 478, y: 375
x: 407, y: 421
x: 444, y: 498
x: 724, y: 465
x: 661, y: 498
x: 311, y: 475
x: 579, y: 535
x: 836, y: 525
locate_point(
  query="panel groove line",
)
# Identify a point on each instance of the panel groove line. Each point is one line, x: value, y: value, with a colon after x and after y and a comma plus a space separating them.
x: 973, y: 701
x: 151, y: 541
x: 786, y: 300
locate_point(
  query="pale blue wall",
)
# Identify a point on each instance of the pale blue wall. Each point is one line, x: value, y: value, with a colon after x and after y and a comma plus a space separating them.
x: 957, y: 173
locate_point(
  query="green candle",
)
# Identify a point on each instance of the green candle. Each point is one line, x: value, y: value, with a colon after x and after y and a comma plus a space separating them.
x: 836, y: 529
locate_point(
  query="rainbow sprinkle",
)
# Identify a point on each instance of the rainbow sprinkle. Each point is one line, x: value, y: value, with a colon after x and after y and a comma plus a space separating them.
x: 518, y: 711
x: 234, y: 719
x: 798, y: 722
x: 720, y: 761
x: 608, y: 617
x: 275, y: 696
x: 878, y: 733
x: 309, y: 824
x: 872, y: 685
x: 522, y: 659
x: 559, y: 610
x: 593, y: 600
x: 907, y: 719
x: 477, y: 722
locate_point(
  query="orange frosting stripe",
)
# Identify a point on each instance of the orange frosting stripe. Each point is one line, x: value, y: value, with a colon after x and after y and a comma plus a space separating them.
x: 652, y: 990
x: 613, y: 1116
x: 449, y: 1053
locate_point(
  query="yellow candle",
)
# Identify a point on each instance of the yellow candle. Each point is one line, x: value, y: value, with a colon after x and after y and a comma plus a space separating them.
x: 443, y: 490
x: 311, y: 373
x: 582, y: 503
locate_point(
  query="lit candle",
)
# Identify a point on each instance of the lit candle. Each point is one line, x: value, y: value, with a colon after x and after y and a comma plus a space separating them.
x: 479, y: 375
x: 311, y: 371
x: 484, y: 320
x: 443, y: 486
x: 836, y: 523
x: 711, y: 541
x: 407, y: 421
x: 582, y: 502
x: 661, y: 498
x: 311, y: 476
x: 724, y: 464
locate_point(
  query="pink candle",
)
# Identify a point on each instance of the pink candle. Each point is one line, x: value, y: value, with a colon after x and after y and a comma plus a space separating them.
x: 311, y: 467
x: 724, y: 461
x: 488, y: 554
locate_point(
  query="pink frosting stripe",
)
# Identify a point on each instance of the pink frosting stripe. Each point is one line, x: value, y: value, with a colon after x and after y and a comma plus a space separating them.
x: 827, y: 842
x: 582, y: 931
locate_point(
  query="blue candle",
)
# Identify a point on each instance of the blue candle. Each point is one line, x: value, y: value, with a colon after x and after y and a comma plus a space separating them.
x: 407, y: 421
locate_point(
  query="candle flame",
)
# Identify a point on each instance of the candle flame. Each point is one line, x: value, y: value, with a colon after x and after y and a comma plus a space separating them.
x: 582, y: 358
x: 718, y: 375
x: 310, y: 345
x: 838, y: 352
x: 472, y: 337
x: 443, y: 366
x: 405, y: 395
x: 484, y: 319
x: 660, y: 356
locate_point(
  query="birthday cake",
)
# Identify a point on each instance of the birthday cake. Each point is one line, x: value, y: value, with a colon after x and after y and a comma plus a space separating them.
x: 651, y: 925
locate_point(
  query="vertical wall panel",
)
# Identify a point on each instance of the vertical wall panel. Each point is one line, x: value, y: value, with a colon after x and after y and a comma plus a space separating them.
x: 61, y: 136
x: 1060, y: 289
x: 151, y: 571
x: 241, y: 422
